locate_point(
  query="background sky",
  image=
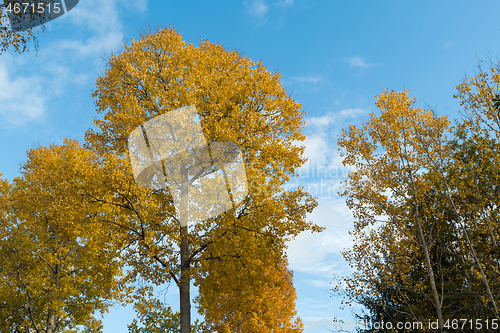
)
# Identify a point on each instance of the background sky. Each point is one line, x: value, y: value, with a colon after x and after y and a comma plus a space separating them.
x: 333, y: 56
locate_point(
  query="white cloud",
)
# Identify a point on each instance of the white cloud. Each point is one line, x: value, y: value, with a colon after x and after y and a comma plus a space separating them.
x: 447, y: 45
x: 101, y: 17
x: 306, y: 79
x: 139, y: 5
x: 257, y: 8
x: 94, y: 45
x: 25, y: 96
x: 22, y: 99
x: 330, y: 118
x: 316, y: 149
x: 353, y: 112
x: 357, y: 61
x: 321, y: 283
x: 320, y: 143
x: 260, y: 9
x: 322, y: 121
x: 319, y: 254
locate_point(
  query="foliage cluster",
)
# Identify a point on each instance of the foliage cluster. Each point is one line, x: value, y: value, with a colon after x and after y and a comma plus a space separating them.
x: 426, y: 210
x: 77, y: 233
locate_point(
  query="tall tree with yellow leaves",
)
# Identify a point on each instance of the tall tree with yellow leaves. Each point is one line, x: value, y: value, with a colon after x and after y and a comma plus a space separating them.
x: 452, y: 257
x: 390, y: 154
x: 239, y: 101
x: 478, y: 174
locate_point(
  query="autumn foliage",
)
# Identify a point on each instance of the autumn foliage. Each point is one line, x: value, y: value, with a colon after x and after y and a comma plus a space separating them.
x: 99, y: 233
x: 425, y: 200
x: 54, y: 273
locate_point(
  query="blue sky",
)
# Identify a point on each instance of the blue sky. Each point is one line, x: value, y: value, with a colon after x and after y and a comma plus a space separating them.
x: 333, y: 56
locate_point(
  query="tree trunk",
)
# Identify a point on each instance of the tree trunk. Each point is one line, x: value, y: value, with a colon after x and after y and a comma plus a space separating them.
x: 435, y: 295
x: 430, y: 271
x: 481, y: 271
x: 185, y: 301
x: 51, y: 315
x: 460, y: 219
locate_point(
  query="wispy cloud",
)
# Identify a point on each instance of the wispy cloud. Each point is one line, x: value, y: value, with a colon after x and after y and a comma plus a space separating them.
x: 257, y: 8
x: 330, y: 118
x: 306, y: 79
x: 261, y: 9
x: 22, y: 99
x: 317, y: 149
x: 358, y: 62
x: 139, y: 5
x: 319, y: 254
x: 322, y: 121
x: 447, y: 45
x: 321, y: 283
x: 320, y: 142
x: 351, y: 112
x: 102, y: 18
x: 25, y: 95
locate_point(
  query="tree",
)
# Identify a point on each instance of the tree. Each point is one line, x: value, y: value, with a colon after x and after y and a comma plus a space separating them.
x: 23, y: 20
x: 455, y: 203
x: 57, y: 267
x: 239, y: 102
x: 390, y: 154
x: 404, y: 297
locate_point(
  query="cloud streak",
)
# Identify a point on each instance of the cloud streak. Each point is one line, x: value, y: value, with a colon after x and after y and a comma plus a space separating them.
x: 306, y: 79
x: 358, y: 62
x: 257, y: 8
x: 260, y: 9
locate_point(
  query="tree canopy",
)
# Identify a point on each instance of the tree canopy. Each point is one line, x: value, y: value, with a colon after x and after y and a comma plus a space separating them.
x: 238, y: 101
x: 54, y: 273
x: 426, y: 211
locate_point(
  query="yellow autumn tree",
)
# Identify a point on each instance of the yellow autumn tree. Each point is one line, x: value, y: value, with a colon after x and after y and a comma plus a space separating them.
x: 426, y: 209
x: 57, y: 266
x: 247, y: 293
x: 477, y: 178
x: 239, y: 101
x: 387, y: 189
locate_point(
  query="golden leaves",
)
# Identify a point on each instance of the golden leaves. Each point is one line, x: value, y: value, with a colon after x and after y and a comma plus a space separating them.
x: 425, y: 206
x: 90, y: 218
x: 56, y: 256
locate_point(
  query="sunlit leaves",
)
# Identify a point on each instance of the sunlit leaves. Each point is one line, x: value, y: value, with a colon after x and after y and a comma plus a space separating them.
x: 238, y: 101
x: 426, y: 207
x: 58, y: 266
